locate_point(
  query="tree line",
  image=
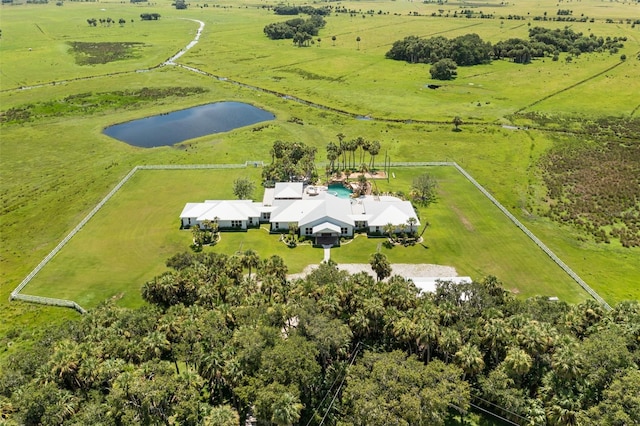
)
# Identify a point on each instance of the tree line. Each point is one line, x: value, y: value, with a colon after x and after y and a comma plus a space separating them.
x: 286, y: 9
x: 446, y: 54
x: 301, y: 30
x: 223, y: 337
x: 290, y: 162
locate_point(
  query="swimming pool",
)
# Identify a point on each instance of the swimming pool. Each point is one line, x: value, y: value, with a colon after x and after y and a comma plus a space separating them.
x: 339, y: 191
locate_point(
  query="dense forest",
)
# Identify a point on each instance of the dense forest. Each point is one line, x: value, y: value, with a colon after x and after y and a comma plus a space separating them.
x: 470, y: 49
x: 224, y: 337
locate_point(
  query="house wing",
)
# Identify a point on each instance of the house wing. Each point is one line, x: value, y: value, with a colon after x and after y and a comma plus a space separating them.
x: 288, y: 191
x: 330, y: 209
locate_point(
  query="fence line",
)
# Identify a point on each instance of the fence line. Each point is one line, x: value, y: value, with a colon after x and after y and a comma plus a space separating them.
x: 50, y: 301
x: 16, y: 295
x: 523, y: 228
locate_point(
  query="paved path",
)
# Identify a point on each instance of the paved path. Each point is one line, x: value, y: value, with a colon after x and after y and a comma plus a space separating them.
x: 327, y: 253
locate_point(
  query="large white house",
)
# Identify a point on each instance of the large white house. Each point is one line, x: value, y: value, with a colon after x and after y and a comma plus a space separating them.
x: 315, y: 211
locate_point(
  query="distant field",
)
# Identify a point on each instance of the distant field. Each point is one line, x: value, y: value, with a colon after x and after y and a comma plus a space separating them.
x: 127, y: 242
x: 54, y: 170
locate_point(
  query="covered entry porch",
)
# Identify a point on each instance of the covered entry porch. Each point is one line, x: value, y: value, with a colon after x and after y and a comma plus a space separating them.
x: 327, y: 234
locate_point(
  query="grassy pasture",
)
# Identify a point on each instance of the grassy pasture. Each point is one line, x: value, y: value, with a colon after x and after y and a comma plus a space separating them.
x: 126, y: 243
x: 35, y: 40
x: 364, y: 82
x: 53, y: 171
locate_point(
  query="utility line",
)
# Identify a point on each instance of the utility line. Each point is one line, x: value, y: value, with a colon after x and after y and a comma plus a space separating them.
x: 326, y: 413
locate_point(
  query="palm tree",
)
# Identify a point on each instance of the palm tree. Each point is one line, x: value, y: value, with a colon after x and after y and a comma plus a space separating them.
x: 469, y: 358
x: 380, y: 265
x: 286, y: 410
x: 358, y: 41
x: 405, y: 331
x: 411, y: 222
x: 449, y: 342
x: 333, y: 153
x: 517, y: 362
x: 567, y: 361
x: 333, y: 39
x: 374, y: 149
x: 388, y: 229
x: 250, y: 259
x: 427, y: 335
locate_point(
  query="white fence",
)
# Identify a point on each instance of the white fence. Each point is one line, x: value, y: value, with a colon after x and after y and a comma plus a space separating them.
x: 16, y: 293
x: 519, y: 224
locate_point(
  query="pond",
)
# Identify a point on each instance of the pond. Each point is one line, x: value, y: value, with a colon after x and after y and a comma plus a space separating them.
x: 178, y: 126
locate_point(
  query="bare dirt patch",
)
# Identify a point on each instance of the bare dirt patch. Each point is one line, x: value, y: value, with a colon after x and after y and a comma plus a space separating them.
x: 468, y: 226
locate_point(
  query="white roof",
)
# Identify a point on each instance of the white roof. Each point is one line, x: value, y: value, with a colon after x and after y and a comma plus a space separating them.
x: 326, y: 226
x: 288, y: 190
x: 193, y: 210
x: 388, y: 210
x: 223, y: 210
x: 331, y: 208
x: 292, y: 210
x: 428, y: 284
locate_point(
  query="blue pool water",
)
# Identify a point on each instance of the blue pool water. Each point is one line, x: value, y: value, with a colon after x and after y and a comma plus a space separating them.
x: 340, y: 191
x: 178, y: 126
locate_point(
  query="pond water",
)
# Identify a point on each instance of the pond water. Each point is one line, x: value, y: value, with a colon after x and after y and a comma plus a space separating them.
x: 178, y: 126
x: 339, y: 191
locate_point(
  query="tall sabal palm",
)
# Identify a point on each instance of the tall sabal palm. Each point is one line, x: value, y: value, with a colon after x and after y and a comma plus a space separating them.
x: 286, y: 410
x: 469, y: 358
x: 342, y: 148
x: 411, y: 222
x: 250, y: 260
x: 352, y: 146
x: 567, y: 361
x: 496, y: 336
x: 449, y: 342
x: 156, y: 345
x: 374, y: 149
x: 428, y: 332
x: 406, y: 332
x: 380, y: 265
x: 275, y: 267
x: 65, y: 363
x: 333, y: 153
x: 517, y: 363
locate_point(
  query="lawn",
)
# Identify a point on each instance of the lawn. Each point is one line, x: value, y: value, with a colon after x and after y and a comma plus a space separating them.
x: 127, y: 242
x: 54, y: 170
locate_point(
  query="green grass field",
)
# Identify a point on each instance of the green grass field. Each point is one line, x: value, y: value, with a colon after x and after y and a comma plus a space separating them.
x: 54, y: 170
x: 126, y: 243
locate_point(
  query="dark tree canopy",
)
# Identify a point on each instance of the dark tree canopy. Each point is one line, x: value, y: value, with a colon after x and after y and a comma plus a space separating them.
x: 288, y: 29
x: 444, y: 69
x: 215, y: 343
x: 470, y: 49
x: 290, y: 162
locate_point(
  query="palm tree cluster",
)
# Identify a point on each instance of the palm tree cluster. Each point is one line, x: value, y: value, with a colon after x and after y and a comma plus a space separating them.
x: 222, y: 337
x: 352, y: 153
